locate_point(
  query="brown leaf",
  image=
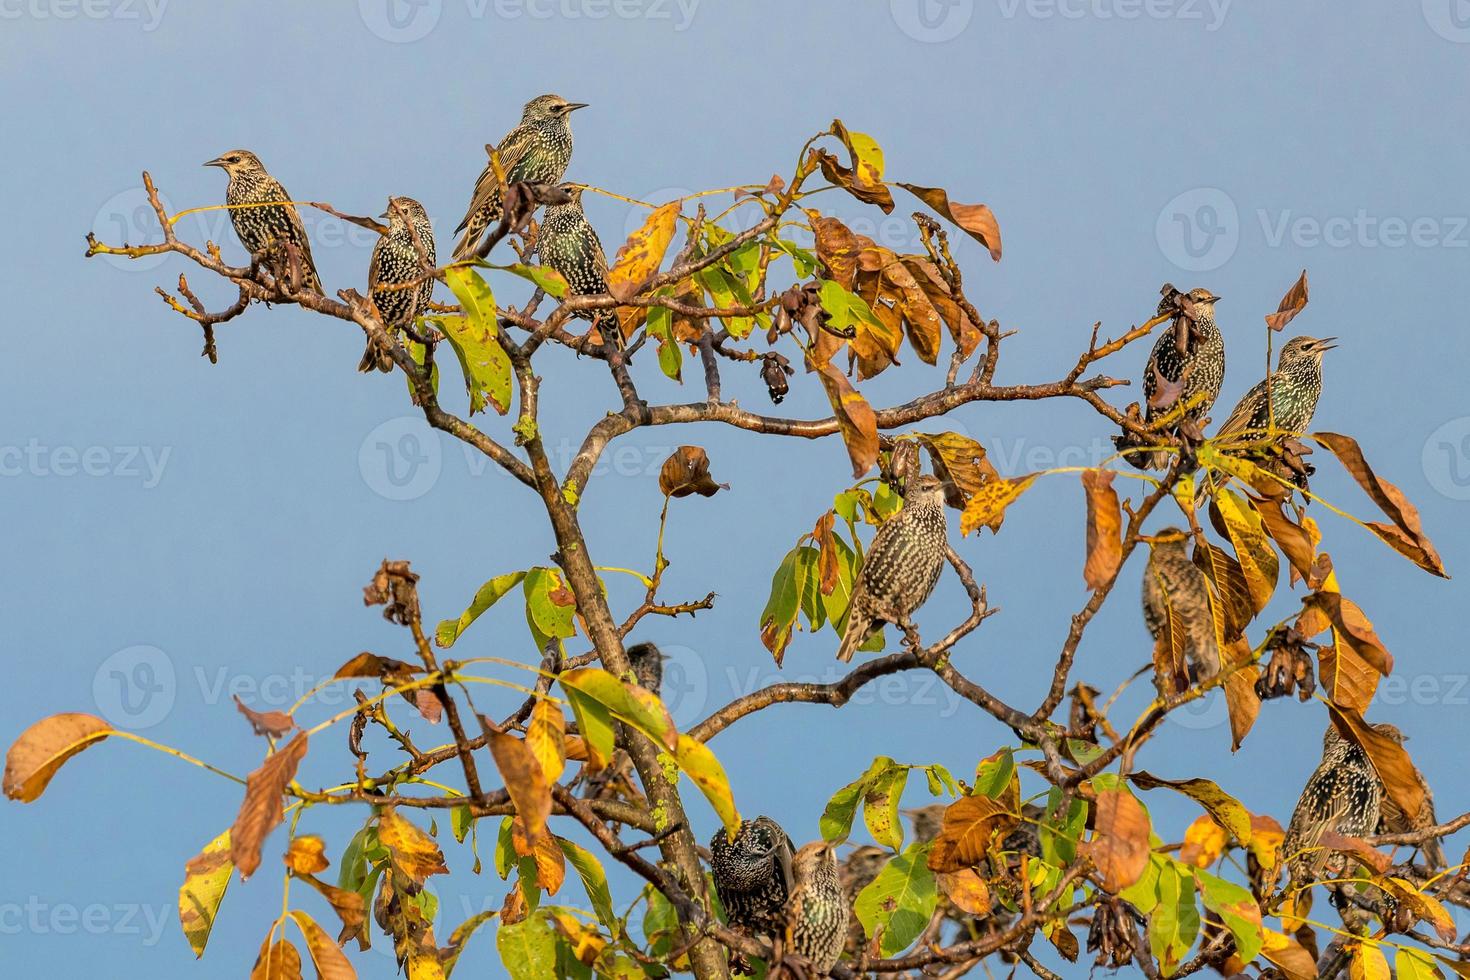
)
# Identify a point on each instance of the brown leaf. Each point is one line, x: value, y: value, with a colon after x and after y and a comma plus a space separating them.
x: 987, y: 507
x: 306, y: 855
x: 262, y: 808
x: 277, y: 961
x: 1390, y: 760
x: 551, y: 868
x: 371, y: 665
x: 1119, y: 845
x: 525, y: 782
x: 855, y: 418
x: 272, y: 724
x: 1406, y: 535
x: 326, y: 956
x: 43, y: 748
x: 975, y: 219
x: 827, y: 560
x: 1230, y: 599
x: 1423, y: 906
x: 864, y: 178
x: 349, y: 906
x: 686, y: 471
x: 1292, y: 538
x: 1289, y: 956
x: 965, y: 833
x: 962, y: 330
x: 1104, y: 529
x: 966, y: 889
x: 1292, y: 303
x: 641, y: 254
x: 1356, y: 645
x: 1241, y: 700
x: 960, y: 462
x: 837, y: 247
x: 1375, y: 861
x: 414, y: 852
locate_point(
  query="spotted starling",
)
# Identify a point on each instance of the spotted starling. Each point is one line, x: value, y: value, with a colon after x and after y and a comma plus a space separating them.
x: 753, y: 875
x: 1295, y: 386
x: 396, y: 260
x: 536, y: 151
x: 1344, y: 796
x: 1393, y: 820
x: 568, y: 243
x: 817, y: 914
x: 263, y: 230
x: 1175, y: 588
x: 902, y: 566
x: 1186, y: 364
x: 857, y: 871
x: 648, y: 666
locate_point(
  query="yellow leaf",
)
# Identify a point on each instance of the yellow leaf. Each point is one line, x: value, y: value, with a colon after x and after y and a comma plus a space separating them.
x: 206, y: 877
x: 414, y: 852
x: 44, y: 748
x: 987, y: 507
x: 326, y: 956
x: 1368, y: 963
x: 641, y: 254
x: 1204, y: 842
x: 307, y: 855
x: 546, y: 738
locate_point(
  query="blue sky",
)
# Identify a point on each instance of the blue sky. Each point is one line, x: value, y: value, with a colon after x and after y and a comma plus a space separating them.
x: 181, y: 531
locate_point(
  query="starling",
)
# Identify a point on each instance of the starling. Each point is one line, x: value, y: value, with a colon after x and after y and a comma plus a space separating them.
x: 856, y: 873
x: 1186, y: 364
x: 1295, y: 386
x: 536, y: 151
x: 397, y: 260
x: 1175, y: 588
x: 264, y: 229
x: 568, y: 243
x: 752, y: 875
x: 817, y: 915
x: 901, y: 567
x: 648, y: 666
x: 1392, y: 820
x: 1343, y: 796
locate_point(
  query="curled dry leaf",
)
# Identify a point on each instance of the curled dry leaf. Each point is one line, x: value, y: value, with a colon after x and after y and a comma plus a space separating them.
x: 966, y: 831
x: 855, y: 417
x: 686, y: 471
x: 966, y: 889
x: 326, y: 956
x: 976, y: 219
x: 1394, y: 767
x: 1292, y: 303
x: 1406, y: 534
x: 306, y: 855
x: 1119, y: 845
x: 272, y: 724
x: 1104, y: 529
x: 527, y: 785
x: 641, y: 254
x: 262, y: 808
x: 371, y: 665
x: 414, y: 852
x: 43, y: 748
x: 277, y: 961
x: 350, y: 907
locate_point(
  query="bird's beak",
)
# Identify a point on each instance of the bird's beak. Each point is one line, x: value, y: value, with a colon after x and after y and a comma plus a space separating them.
x: 574, y: 106
x: 1214, y: 298
x: 216, y: 162
x: 1325, y: 344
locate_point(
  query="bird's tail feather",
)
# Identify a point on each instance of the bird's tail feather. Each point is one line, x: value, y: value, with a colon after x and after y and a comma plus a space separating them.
x: 858, y: 628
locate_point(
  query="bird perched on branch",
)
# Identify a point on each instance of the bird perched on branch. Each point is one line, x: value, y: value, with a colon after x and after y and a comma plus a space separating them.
x: 1185, y: 367
x: 1393, y: 820
x: 268, y: 225
x: 753, y: 875
x: 399, y: 258
x: 902, y: 566
x: 537, y: 151
x: 647, y: 662
x: 568, y: 243
x: 1176, y: 609
x: 1344, y: 796
x: 817, y: 912
x: 1295, y: 386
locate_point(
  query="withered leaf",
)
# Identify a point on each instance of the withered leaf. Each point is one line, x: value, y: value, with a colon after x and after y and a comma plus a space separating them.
x: 837, y: 247
x: 864, y: 178
x: 326, y: 956
x: 641, y: 254
x: 262, y: 807
x: 350, y: 907
x: 855, y: 417
x: 272, y: 724
x: 1292, y: 303
x: 1405, y: 535
x: 206, y: 876
x: 277, y: 961
x: 976, y: 219
x: 966, y: 889
x: 551, y: 867
x: 960, y: 462
x: 1119, y: 845
x: 525, y: 782
x: 371, y: 665
x: 686, y: 471
x: 1375, y: 861
x: 1392, y: 763
x: 43, y: 748
x: 306, y: 855
x: 987, y: 507
x: 965, y: 833
x: 1104, y: 528
x: 827, y: 557
x: 414, y: 852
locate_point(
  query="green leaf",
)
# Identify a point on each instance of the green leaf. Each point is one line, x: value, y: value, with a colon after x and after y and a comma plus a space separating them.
x: 779, y: 616
x: 802, y: 260
x: 488, y: 595
x: 1174, y: 922
x: 1236, y: 908
x: 595, y: 724
x: 900, y: 901
x: 994, y: 775
x: 660, y: 326
x: 840, y: 600
x: 1060, y: 832
x: 528, y: 948
x: 475, y: 339
x: 628, y: 703
x: 205, y: 879
x: 1143, y: 894
x: 810, y: 576
x: 544, y: 277
x: 836, y: 822
x: 880, y: 807
x: 505, y: 852
x: 1411, y: 964
x: 846, y: 308
x: 660, y: 923
x: 460, y: 821
x: 548, y: 613
x: 594, y: 879
x: 940, y: 780
x: 419, y: 353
